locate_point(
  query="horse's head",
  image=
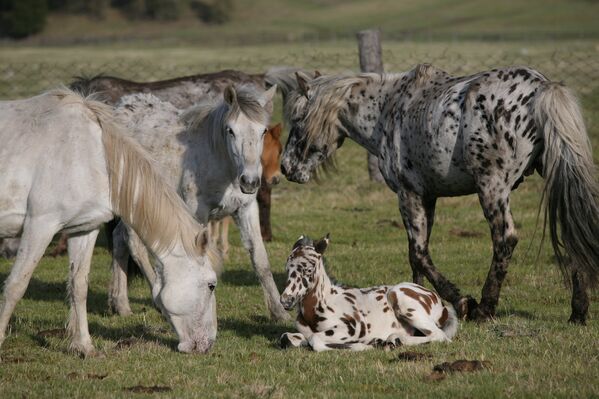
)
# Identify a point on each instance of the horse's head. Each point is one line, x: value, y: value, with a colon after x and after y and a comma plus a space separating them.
x: 315, y: 131
x: 245, y: 126
x: 302, y: 266
x: 184, y: 291
x: 271, y: 155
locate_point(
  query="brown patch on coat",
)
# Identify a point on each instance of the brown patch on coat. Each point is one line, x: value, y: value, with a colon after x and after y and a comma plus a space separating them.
x: 425, y: 300
x: 308, y: 310
x: 443, y: 318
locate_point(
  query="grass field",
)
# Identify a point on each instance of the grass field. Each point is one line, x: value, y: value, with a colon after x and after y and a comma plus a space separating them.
x: 256, y: 21
x: 532, y: 351
x: 531, y: 348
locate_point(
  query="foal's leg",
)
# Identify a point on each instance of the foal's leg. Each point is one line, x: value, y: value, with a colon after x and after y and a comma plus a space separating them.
x: 118, y: 300
x: 292, y: 340
x: 249, y: 227
x: 495, y: 202
x: 36, y: 236
x: 580, y: 299
x: 417, y: 213
x: 80, y: 248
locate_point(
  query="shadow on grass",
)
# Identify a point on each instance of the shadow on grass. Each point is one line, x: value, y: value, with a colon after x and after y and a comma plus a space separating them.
x: 39, y: 290
x: 503, y: 313
x: 258, y: 325
x: 123, y: 337
x: 244, y: 277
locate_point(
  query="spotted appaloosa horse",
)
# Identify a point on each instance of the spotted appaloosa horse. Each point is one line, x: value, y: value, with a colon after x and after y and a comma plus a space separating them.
x: 331, y: 316
x: 437, y: 135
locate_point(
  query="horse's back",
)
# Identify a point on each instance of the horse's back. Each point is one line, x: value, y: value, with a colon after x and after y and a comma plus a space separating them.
x: 52, y: 159
x: 459, y: 126
x: 156, y: 125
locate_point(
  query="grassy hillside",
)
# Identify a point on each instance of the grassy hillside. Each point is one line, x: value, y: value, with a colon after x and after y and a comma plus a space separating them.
x: 288, y: 20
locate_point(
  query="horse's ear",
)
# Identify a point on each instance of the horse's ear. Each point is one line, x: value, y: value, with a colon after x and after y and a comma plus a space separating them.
x: 266, y: 98
x: 317, y: 74
x: 302, y: 83
x: 230, y: 95
x: 202, y: 241
x: 321, y: 245
x: 276, y: 131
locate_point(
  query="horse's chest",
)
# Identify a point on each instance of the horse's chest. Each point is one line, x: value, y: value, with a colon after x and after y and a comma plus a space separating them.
x: 227, y: 202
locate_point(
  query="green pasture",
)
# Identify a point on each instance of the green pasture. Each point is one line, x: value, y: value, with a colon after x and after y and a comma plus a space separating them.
x: 531, y: 349
x: 256, y: 21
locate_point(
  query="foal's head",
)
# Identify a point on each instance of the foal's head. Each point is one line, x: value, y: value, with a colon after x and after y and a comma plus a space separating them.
x: 303, y: 266
x: 271, y: 155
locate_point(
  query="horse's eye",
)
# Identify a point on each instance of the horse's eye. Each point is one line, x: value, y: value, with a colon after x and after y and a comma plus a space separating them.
x: 230, y: 131
x: 211, y: 286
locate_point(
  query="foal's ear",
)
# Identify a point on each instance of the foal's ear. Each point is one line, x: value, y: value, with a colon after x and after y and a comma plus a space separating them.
x: 302, y: 83
x: 202, y: 241
x: 321, y: 245
x: 317, y: 74
x: 230, y: 95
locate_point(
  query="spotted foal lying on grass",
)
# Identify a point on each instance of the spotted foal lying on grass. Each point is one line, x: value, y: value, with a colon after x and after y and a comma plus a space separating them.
x: 331, y: 316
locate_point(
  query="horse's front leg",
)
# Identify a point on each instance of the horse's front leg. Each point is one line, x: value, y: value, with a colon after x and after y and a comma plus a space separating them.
x: 495, y: 202
x: 417, y: 213
x: 37, y: 234
x: 81, y: 248
x: 249, y: 227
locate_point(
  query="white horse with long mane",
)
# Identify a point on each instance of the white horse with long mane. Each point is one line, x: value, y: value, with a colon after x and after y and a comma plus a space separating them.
x: 211, y: 154
x: 66, y: 166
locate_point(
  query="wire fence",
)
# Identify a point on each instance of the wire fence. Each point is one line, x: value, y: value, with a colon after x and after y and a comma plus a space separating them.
x: 577, y: 68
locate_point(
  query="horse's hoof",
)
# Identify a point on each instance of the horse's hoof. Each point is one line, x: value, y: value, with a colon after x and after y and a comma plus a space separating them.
x: 284, y: 342
x: 580, y: 320
x: 481, y: 315
x: 466, y: 307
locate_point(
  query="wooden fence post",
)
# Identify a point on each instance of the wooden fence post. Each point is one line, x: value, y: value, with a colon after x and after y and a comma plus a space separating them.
x: 371, y: 60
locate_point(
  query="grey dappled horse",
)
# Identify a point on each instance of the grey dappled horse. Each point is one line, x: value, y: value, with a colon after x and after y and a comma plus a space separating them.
x: 438, y: 135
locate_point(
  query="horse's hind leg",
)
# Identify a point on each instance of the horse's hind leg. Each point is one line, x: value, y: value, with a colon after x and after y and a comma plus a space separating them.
x: 496, y: 206
x: 580, y: 299
x: 118, y: 300
x: 417, y: 213
x: 81, y: 248
x: 36, y: 236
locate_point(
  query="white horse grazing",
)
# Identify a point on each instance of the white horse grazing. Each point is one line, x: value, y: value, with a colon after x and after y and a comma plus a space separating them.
x: 331, y: 316
x: 66, y: 167
x: 211, y: 153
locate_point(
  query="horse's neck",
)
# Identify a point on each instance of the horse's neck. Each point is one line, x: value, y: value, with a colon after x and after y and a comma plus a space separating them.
x: 366, y: 126
x: 322, y: 285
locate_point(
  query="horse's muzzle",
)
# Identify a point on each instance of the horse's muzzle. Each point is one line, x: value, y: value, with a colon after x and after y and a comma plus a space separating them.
x: 249, y: 185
